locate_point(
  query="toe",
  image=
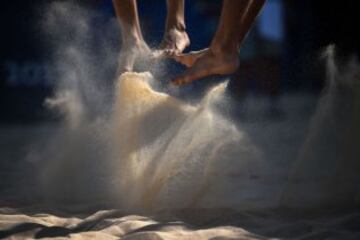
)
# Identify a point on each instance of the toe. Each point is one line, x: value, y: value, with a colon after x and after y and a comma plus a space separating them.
x: 184, y: 59
x: 190, y: 75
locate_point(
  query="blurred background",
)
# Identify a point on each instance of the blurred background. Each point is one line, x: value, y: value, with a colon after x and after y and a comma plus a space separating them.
x: 280, y: 54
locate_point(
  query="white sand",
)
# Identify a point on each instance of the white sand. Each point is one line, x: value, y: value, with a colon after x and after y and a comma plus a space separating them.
x: 145, y: 181
x: 168, y: 153
x: 190, y: 225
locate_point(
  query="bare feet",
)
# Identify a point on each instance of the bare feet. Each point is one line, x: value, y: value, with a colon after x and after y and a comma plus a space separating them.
x: 205, y: 63
x: 188, y: 59
x: 174, y: 42
x: 130, y: 53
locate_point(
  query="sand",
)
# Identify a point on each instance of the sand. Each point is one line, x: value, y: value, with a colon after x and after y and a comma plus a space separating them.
x: 146, y: 165
x: 167, y: 152
x: 99, y: 179
x: 182, y: 224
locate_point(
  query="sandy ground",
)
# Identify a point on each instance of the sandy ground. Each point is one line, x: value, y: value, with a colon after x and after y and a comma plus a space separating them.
x: 24, y: 215
x: 182, y: 224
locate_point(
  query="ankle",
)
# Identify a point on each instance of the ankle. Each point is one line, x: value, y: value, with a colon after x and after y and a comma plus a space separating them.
x: 132, y: 42
x: 224, y: 51
x: 176, y: 24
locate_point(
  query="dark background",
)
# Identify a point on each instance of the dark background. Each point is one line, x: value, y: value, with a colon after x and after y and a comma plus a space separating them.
x: 280, y: 54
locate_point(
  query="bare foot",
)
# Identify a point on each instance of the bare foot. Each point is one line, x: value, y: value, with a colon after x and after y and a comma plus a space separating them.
x: 174, y: 42
x: 205, y: 63
x: 188, y: 59
x: 130, y: 53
